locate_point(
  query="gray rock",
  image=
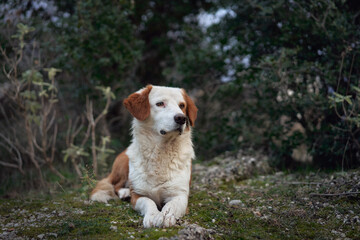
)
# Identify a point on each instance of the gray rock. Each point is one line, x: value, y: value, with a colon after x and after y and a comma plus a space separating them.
x: 235, y: 202
x: 228, y: 168
x: 41, y: 236
x: 192, y: 232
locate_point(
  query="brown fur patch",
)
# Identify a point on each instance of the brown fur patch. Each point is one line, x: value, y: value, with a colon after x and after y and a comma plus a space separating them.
x: 120, y: 171
x: 191, y: 109
x: 138, y: 104
x: 134, y: 197
x: 117, y: 178
x: 106, y: 186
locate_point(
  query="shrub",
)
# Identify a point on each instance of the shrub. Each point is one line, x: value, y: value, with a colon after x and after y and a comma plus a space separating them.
x: 283, y: 59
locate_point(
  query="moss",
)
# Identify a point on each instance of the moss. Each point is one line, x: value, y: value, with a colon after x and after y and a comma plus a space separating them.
x: 269, y: 209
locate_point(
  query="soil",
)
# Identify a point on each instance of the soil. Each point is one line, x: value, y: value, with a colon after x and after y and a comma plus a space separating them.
x: 232, y: 197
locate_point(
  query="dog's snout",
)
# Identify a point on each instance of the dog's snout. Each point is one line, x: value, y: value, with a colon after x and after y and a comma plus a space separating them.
x: 180, y: 119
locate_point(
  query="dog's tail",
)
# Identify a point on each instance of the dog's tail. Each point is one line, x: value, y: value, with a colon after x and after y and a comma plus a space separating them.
x: 103, y: 192
x: 109, y: 187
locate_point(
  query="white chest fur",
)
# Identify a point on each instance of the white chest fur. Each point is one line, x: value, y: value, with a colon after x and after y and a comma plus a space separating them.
x: 160, y: 168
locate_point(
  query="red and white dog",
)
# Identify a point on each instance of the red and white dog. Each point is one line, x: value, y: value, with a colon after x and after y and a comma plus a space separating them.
x: 155, y: 170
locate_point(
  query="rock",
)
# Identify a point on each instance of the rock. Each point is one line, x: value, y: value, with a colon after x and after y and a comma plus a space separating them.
x: 8, y: 235
x: 41, y: 236
x: 53, y: 235
x: 114, y: 228
x: 235, y: 202
x: 61, y: 213
x: 229, y: 168
x: 78, y: 211
x: 193, y: 232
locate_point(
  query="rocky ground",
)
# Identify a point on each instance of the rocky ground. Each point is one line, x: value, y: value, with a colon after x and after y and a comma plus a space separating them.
x: 232, y: 197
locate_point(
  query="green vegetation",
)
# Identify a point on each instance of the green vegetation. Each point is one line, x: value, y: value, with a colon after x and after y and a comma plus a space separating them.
x: 276, y: 206
x: 275, y: 78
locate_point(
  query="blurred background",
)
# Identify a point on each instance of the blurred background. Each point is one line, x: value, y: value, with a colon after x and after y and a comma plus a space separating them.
x: 276, y: 77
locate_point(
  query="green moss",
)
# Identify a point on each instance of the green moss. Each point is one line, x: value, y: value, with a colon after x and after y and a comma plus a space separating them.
x: 269, y: 209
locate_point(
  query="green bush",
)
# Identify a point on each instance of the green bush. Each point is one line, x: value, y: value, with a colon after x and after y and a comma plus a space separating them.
x: 98, y: 43
x: 286, y: 61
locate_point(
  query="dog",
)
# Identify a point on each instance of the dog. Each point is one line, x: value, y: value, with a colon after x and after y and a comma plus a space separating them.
x: 155, y: 170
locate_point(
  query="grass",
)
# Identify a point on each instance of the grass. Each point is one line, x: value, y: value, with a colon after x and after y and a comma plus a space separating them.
x: 271, y: 207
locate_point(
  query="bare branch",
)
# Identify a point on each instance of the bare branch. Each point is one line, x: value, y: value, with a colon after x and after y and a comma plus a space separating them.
x: 75, y: 130
x: 88, y: 115
x: 19, y: 158
x: 332, y: 194
x: 5, y: 164
x: 53, y: 143
x: 68, y: 132
x: 51, y: 122
x: 303, y: 183
x: 37, y: 145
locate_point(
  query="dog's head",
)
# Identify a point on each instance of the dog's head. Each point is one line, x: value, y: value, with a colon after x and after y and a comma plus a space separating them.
x: 165, y: 109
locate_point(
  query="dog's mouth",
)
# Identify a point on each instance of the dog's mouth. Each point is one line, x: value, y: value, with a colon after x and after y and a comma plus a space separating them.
x: 179, y: 130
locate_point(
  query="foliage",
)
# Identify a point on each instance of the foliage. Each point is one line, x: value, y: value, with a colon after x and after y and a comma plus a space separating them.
x: 283, y: 59
x: 277, y: 76
x: 32, y: 106
x: 32, y: 111
x: 98, y: 43
x: 99, y: 153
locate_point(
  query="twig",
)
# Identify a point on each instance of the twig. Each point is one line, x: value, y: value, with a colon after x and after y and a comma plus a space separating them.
x: 60, y: 186
x: 303, y: 183
x: 19, y: 158
x: 5, y: 164
x: 340, y: 71
x: 343, y: 157
x: 332, y: 194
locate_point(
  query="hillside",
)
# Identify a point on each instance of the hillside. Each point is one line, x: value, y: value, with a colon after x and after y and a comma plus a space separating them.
x: 230, y: 199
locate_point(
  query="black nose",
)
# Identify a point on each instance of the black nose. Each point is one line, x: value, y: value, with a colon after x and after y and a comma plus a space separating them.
x: 180, y: 119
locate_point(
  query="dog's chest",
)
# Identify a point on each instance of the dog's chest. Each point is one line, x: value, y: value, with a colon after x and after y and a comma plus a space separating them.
x: 159, y: 172
x: 160, y: 166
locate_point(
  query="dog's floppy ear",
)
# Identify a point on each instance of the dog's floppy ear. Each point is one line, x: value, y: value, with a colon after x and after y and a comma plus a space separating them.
x: 138, y: 104
x: 191, y: 109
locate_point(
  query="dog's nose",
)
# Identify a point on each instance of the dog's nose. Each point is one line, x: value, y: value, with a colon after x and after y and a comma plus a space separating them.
x: 180, y: 118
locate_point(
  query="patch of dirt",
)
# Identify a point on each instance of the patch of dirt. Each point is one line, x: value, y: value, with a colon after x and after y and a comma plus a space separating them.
x: 193, y: 232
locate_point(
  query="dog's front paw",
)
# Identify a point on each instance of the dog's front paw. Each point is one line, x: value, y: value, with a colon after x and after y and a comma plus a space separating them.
x: 169, y: 215
x: 169, y: 220
x: 153, y: 220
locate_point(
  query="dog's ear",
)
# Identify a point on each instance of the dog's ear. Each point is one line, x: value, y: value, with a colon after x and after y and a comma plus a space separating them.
x: 191, y: 109
x: 138, y: 104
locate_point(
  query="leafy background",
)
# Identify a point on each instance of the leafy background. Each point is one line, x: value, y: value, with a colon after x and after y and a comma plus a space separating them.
x: 278, y: 77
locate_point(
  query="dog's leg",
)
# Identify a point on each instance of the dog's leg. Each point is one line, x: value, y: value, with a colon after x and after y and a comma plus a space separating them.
x: 174, y: 209
x: 147, y: 208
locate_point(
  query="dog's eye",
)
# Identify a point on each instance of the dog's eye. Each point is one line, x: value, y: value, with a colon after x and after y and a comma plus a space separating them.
x: 181, y: 105
x: 160, y: 104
